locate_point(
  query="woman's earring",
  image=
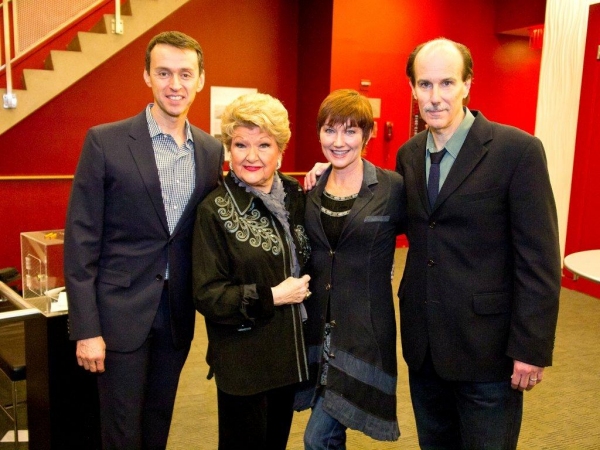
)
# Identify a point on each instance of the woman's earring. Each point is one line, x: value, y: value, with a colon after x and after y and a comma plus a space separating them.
x: 278, y: 164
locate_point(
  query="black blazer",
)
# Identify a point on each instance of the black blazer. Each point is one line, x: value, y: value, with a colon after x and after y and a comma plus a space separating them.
x: 240, y: 251
x: 353, y: 282
x: 117, y: 241
x: 482, y: 276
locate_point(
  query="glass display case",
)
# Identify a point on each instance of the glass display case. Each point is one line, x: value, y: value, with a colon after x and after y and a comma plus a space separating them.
x: 62, y: 398
x: 42, y: 275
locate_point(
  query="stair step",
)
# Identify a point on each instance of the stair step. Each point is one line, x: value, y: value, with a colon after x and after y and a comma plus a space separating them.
x: 89, y: 51
x: 97, y: 42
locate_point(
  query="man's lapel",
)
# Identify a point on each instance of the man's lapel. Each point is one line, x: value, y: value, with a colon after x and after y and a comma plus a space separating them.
x: 140, y: 145
x: 471, y: 153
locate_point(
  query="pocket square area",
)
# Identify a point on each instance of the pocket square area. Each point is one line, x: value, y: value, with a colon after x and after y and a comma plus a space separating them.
x: 377, y: 219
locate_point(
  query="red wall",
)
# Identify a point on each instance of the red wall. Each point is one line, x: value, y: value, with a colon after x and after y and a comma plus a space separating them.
x: 584, y: 208
x: 375, y: 46
x: 244, y: 46
x: 314, y: 61
x: 295, y: 50
x: 374, y: 43
x: 515, y: 14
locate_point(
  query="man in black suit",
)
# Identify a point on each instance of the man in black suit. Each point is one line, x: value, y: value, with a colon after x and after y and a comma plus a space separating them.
x: 479, y: 295
x: 128, y: 247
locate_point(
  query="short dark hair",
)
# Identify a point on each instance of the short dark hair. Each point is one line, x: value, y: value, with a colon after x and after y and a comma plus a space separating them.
x: 347, y: 106
x: 462, y: 49
x: 178, y: 40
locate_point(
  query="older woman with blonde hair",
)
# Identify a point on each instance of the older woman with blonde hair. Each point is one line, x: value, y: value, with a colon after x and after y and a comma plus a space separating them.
x: 249, y: 252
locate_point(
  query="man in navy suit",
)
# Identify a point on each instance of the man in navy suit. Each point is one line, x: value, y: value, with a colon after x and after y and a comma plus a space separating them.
x: 479, y: 295
x: 128, y: 247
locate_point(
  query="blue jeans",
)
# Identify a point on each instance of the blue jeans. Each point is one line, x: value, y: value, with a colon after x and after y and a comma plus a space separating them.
x: 464, y: 415
x: 323, y: 432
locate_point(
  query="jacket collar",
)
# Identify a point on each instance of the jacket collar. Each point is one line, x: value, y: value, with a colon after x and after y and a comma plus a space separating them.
x: 243, y: 199
x: 473, y: 150
x: 369, y: 179
x: 140, y: 146
x: 365, y: 195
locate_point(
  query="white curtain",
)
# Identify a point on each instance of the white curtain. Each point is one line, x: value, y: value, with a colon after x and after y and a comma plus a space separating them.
x: 565, y: 31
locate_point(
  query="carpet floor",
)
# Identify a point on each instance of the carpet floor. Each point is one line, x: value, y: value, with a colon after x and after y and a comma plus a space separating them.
x: 561, y: 413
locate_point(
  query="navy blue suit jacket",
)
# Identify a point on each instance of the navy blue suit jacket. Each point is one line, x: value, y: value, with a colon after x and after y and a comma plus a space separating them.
x: 117, y: 240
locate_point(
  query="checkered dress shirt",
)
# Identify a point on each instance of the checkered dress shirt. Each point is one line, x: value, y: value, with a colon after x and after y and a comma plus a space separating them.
x: 176, y: 169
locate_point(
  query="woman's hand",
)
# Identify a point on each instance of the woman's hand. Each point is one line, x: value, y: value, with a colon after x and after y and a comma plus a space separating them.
x: 291, y: 290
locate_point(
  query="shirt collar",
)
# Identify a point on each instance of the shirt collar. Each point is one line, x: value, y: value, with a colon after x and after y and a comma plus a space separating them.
x: 457, y: 140
x: 155, y: 130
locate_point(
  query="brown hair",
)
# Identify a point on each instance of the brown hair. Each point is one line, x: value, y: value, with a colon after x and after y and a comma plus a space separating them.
x: 347, y: 107
x: 178, y: 40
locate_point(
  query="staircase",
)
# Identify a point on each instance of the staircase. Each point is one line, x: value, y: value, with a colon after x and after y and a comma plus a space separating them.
x: 86, y: 52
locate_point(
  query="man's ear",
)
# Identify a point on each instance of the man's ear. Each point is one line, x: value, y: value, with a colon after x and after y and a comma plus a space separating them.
x: 412, y: 89
x: 201, y: 81
x: 468, y: 87
x: 147, y: 78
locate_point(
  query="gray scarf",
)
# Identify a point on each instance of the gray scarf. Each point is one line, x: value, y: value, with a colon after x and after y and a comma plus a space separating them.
x: 275, y: 203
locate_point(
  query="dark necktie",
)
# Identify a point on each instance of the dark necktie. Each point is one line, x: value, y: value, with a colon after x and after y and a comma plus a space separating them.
x: 433, y: 184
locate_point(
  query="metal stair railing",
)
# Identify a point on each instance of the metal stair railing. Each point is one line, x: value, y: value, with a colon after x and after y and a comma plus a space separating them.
x: 24, y: 29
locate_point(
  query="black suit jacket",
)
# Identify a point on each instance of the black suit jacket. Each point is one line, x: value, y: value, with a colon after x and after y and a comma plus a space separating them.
x: 117, y: 240
x: 482, y: 276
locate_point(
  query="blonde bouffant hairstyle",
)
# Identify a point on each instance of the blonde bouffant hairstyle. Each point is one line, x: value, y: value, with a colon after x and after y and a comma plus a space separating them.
x: 256, y: 110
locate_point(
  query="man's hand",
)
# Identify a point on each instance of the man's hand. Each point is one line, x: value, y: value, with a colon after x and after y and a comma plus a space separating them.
x: 90, y: 354
x: 525, y: 376
x: 310, y: 179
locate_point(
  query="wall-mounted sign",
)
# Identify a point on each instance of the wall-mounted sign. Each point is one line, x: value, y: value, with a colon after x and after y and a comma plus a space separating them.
x: 417, y: 124
x: 220, y: 97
